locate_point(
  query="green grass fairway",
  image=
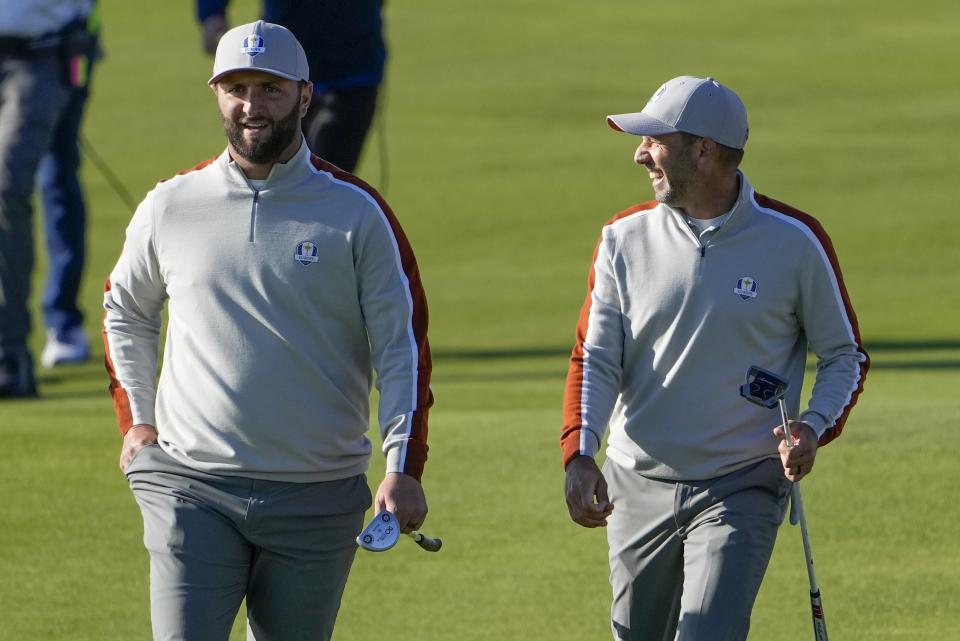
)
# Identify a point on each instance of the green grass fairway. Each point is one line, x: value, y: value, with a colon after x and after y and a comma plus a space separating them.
x: 502, y: 171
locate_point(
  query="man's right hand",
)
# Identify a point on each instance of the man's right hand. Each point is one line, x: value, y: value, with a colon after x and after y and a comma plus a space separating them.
x: 586, y: 491
x: 137, y: 437
x: 213, y: 28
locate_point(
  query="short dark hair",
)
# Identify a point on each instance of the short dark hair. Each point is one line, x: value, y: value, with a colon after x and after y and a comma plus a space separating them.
x: 728, y: 155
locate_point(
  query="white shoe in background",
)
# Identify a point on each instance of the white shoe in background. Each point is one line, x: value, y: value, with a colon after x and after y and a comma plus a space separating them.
x: 70, y: 347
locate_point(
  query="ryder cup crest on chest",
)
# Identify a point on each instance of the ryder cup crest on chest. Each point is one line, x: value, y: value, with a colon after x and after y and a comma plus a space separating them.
x: 306, y: 253
x: 746, y: 288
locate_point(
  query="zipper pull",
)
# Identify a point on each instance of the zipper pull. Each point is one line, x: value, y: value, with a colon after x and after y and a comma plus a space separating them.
x: 253, y: 216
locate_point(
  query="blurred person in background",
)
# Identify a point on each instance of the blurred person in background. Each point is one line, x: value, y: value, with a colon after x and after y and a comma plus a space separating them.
x: 343, y: 40
x: 65, y: 214
x: 39, y: 43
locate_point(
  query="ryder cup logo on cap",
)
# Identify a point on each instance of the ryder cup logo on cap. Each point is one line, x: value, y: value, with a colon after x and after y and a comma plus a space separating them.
x: 306, y: 253
x: 260, y: 46
x: 697, y: 106
x: 252, y: 45
x: 659, y: 92
x: 746, y: 288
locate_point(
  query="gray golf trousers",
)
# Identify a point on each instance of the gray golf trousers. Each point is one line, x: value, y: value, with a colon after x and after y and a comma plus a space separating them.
x: 213, y: 540
x: 687, y: 558
x: 32, y: 95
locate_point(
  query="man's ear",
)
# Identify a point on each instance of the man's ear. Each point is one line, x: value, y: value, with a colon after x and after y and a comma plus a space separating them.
x: 306, y: 95
x: 707, y: 149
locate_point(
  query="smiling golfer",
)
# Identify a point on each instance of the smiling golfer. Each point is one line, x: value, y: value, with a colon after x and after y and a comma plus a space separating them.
x: 289, y: 282
x: 685, y: 293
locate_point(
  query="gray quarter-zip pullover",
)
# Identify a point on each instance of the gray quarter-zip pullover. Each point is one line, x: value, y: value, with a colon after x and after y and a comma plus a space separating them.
x: 282, y: 303
x: 671, y: 324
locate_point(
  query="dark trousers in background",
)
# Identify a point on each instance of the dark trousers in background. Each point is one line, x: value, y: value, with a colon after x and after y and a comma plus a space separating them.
x: 65, y: 216
x: 337, y: 122
x: 32, y: 95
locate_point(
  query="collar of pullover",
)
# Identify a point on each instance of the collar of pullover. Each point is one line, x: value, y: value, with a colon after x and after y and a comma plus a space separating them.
x: 280, y: 173
x: 744, y: 198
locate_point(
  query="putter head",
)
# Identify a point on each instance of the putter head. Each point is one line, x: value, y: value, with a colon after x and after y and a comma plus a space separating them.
x: 763, y: 387
x: 382, y: 533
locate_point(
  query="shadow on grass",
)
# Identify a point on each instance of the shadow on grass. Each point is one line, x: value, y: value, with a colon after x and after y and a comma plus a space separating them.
x: 46, y: 394
x: 75, y: 381
x: 917, y: 345
x: 504, y: 353
x: 500, y: 376
x: 89, y: 380
x: 880, y: 351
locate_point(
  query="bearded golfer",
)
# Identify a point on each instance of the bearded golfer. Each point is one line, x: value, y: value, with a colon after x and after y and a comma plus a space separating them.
x: 685, y: 293
x: 289, y: 282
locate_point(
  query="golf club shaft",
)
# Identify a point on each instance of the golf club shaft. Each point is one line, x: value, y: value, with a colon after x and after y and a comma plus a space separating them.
x: 804, y: 534
x: 787, y: 433
x: 428, y: 543
x: 816, y: 605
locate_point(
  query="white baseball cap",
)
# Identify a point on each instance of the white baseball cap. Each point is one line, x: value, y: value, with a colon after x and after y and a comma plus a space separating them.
x: 260, y: 46
x: 698, y: 106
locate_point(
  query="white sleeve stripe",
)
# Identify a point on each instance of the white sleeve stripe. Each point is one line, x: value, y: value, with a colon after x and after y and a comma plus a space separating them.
x: 586, y: 425
x: 834, y: 283
x: 838, y: 296
x: 398, y: 261
x: 584, y: 399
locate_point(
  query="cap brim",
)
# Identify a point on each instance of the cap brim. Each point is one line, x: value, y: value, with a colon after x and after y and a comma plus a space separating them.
x: 272, y: 72
x: 640, y: 124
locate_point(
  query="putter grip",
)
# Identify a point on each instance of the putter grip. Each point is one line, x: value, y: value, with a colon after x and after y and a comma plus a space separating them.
x: 427, y: 543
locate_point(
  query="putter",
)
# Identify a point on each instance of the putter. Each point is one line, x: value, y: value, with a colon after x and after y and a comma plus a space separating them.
x: 383, y: 532
x: 766, y: 389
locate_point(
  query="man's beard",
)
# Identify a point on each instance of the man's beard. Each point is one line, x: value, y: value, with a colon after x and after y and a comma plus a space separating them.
x: 679, y: 180
x: 266, y: 149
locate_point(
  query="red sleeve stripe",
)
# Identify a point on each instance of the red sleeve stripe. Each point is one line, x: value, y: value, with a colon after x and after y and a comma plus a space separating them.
x: 196, y: 167
x: 573, y: 437
x: 414, y: 455
x: 121, y: 402
x: 812, y: 226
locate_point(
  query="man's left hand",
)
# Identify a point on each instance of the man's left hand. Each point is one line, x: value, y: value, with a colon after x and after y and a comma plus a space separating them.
x: 797, y: 460
x: 402, y: 495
